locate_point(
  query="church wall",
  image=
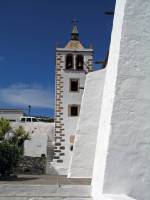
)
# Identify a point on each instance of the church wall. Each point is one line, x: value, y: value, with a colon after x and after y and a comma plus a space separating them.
x: 81, y: 164
x: 122, y: 153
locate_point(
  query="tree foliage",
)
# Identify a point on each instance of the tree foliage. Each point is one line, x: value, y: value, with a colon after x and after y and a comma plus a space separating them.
x: 11, y: 146
x: 9, y: 156
x: 18, y: 137
x: 4, y: 128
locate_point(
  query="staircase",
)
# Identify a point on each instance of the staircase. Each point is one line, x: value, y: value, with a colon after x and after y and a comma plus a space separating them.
x: 49, y: 158
x: 44, y: 192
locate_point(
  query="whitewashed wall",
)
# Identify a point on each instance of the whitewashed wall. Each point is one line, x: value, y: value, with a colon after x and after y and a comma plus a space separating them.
x: 122, y: 153
x: 39, y: 132
x: 12, y: 116
x: 81, y: 164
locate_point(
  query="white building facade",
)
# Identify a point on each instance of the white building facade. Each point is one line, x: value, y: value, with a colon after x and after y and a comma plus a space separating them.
x: 72, y: 64
x: 11, y: 114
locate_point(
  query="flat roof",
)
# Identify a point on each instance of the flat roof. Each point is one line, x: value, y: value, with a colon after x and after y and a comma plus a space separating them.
x: 10, y: 110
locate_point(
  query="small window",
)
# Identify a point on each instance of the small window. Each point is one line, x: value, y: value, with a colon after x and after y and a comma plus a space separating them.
x: 23, y: 119
x: 79, y: 62
x: 74, y: 85
x: 74, y: 110
x: 69, y: 61
x: 28, y: 119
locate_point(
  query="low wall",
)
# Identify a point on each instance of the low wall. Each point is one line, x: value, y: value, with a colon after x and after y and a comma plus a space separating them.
x: 41, y: 133
x: 31, y: 165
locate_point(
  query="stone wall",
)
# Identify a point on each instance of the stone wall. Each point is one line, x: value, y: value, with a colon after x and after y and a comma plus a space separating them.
x: 31, y: 165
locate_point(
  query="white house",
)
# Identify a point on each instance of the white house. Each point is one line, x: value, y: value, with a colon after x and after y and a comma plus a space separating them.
x: 11, y: 114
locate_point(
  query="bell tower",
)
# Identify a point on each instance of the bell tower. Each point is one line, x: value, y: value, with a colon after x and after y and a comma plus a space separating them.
x: 73, y: 62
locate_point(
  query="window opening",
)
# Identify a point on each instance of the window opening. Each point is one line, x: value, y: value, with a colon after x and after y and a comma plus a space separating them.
x: 69, y: 61
x: 79, y: 62
x: 74, y: 110
x: 74, y: 85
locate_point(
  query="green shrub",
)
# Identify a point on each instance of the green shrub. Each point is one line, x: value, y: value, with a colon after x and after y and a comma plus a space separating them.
x: 9, y: 156
x: 11, y: 146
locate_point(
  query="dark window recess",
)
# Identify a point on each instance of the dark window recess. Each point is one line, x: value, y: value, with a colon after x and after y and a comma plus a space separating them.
x: 69, y: 61
x: 74, y: 110
x: 79, y: 62
x: 74, y: 85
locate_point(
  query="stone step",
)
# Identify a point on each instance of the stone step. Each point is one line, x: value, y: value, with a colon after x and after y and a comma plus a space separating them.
x: 43, y: 198
x: 44, y: 192
x: 115, y: 197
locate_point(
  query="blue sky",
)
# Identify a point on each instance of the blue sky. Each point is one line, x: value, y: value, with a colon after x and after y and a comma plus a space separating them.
x: 29, y: 31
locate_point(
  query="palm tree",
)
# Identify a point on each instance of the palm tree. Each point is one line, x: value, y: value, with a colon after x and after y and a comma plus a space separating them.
x: 4, y: 128
x: 19, y: 137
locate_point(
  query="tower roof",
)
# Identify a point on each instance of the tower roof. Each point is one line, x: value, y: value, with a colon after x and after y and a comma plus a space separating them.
x: 74, y: 42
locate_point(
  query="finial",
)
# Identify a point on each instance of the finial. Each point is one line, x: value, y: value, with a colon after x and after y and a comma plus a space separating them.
x: 74, y: 33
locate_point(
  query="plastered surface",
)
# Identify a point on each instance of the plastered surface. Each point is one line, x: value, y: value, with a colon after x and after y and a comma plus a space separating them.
x: 39, y: 132
x: 122, y: 160
x: 81, y: 164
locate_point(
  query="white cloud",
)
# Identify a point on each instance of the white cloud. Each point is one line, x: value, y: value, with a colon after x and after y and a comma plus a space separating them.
x: 23, y: 95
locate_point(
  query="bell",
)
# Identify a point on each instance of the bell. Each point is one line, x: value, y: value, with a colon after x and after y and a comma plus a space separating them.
x: 80, y: 64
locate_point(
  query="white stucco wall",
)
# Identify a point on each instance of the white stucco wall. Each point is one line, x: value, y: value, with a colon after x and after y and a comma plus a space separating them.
x: 122, y: 153
x: 12, y: 116
x: 39, y: 132
x: 81, y: 164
